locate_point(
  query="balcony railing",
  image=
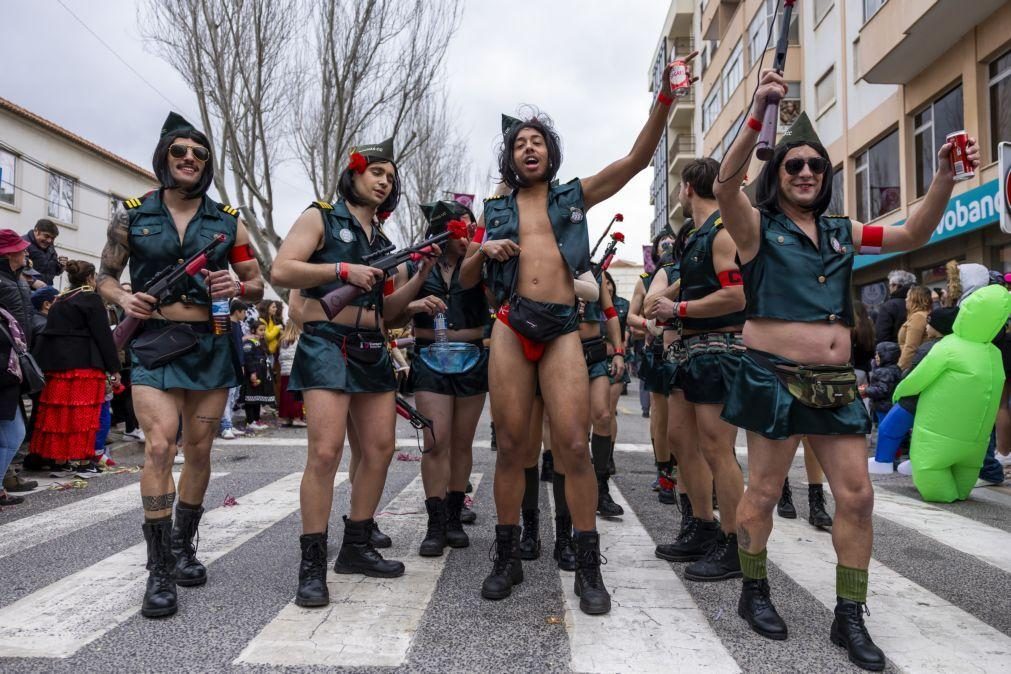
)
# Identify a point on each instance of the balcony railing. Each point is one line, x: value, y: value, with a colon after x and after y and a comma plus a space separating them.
x: 683, y: 144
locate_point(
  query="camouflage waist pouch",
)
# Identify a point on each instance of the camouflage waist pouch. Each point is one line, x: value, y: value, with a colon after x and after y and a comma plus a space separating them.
x: 817, y: 386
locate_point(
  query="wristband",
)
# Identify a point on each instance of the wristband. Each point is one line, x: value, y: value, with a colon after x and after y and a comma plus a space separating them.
x: 754, y: 123
x: 342, y: 271
x: 619, y: 352
x: 682, y: 309
x: 240, y: 289
x: 610, y: 313
x: 664, y: 99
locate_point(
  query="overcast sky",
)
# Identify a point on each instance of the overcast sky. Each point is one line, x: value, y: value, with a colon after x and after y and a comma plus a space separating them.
x: 584, y: 62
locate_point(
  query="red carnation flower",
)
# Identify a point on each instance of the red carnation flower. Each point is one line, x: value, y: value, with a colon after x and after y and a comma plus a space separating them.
x: 457, y: 229
x: 383, y: 215
x: 619, y: 237
x: 619, y: 217
x: 358, y: 163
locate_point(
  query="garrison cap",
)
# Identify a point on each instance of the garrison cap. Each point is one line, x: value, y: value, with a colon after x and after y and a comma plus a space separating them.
x: 175, y: 124
x: 382, y: 151
x: 801, y: 131
x: 508, y: 123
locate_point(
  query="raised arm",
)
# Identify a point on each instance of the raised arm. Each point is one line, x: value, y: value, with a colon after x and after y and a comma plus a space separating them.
x: 740, y: 218
x: 607, y: 182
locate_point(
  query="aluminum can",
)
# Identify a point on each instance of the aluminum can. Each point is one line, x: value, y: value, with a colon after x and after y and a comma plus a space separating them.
x: 960, y: 165
x: 680, y: 78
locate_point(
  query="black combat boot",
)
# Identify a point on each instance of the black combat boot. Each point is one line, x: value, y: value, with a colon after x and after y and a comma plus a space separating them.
x: 606, y: 507
x: 547, y: 467
x: 785, y: 507
x: 756, y: 607
x: 456, y: 537
x: 685, y: 506
x: 692, y: 542
x: 507, y: 569
x: 160, y: 593
x: 849, y: 631
x: 589, y: 584
x: 358, y: 555
x: 189, y: 571
x: 720, y: 563
x: 530, y: 539
x: 312, y: 589
x: 378, y: 538
x: 817, y: 515
x: 564, y: 554
x: 435, y: 536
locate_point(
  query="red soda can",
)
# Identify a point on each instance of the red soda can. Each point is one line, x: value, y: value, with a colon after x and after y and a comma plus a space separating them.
x: 960, y: 165
x: 680, y: 78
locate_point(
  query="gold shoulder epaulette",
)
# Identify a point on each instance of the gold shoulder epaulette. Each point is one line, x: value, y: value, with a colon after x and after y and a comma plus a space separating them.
x: 497, y: 196
x: 228, y: 209
x: 830, y: 215
x: 644, y: 275
x: 133, y: 203
x: 718, y: 223
x: 325, y: 205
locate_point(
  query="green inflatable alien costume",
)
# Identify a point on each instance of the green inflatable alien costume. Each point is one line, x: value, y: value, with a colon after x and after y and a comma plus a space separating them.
x: 959, y: 383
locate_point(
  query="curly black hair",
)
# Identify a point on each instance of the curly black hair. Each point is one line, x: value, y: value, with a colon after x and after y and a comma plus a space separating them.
x: 541, y: 123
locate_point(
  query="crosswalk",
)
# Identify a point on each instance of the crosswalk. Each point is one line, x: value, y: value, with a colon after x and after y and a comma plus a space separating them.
x: 657, y: 622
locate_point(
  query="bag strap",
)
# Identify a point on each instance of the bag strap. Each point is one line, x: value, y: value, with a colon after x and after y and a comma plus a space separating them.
x: 10, y: 338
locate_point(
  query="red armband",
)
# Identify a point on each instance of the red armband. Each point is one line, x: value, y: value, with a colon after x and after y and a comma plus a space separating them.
x: 730, y: 277
x: 389, y: 286
x: 873, y: 237
x: 478, y: 235
x: 682, y: 310
x: 755, y: 124
x: 610, y: 313
x: 664, y: 99
x: 242, y: 253
x: 342, y: 271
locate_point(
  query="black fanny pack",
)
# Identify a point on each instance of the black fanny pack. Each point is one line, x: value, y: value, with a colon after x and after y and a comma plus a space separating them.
x: 594, y: 350
x: 366, y: 348
x: 817, y: 386
x: 540, y: 321
x: 160, y: 346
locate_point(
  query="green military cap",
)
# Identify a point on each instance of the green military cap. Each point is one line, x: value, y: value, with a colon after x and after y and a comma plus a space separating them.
x: 438, y: 214
x: 382, y: 151
x: 801, y: 131
x: 459, y: 210
x: 508, y: 123
x: 175, y: 124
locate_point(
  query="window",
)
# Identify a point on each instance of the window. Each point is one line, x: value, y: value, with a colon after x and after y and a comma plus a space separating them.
x: 837, y: 205
x: 871, y: 8
x: 8, y: 177
x: 824, y: 91
x: 757, y: 35
x: 733, y: 72
x: 770, y: 11
x: 711, y: 109
x: 61, y: 197
x: 877, y: 174
x: 821, y: 8
x: 731, y: 134
x: 1000, y: 102
x: 789, y: 107
x: 717, y: 153
x: 930, y: 126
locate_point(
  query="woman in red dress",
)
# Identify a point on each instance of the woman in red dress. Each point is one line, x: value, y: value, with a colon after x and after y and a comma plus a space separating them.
x: 78, y: 355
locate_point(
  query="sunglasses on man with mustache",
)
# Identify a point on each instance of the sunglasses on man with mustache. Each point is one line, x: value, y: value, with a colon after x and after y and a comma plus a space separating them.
x: 200, y: 153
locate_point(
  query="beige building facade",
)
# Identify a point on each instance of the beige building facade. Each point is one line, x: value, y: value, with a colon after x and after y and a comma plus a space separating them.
x: 884, y: 81
x: 49, y: 172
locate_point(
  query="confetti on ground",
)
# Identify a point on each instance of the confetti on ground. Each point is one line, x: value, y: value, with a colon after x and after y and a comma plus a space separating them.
x: 230, y: 501
x: 404, y: 456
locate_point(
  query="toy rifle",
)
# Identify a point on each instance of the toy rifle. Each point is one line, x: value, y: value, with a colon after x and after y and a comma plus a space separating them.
x: 612, y: 247
x: 767, y: 137
x: 617, y: 218
x: 413, y: 416
x: 386, y: 260
x: 161, y: 286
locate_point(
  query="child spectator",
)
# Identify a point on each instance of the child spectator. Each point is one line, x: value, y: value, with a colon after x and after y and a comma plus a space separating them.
x: 884, y: 378
x: 259, y: 376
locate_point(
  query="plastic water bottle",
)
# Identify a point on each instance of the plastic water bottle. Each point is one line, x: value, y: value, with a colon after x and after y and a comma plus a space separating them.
x: 440, y: 328
x: 221, y: 312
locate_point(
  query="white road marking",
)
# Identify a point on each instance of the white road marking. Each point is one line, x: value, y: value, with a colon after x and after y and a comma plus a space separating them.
x: 58, y: 620
x: 370, y: 621
x: 654, y: 624
x: 36, y: 529
x: 983, y: 542
x: 917, y: 630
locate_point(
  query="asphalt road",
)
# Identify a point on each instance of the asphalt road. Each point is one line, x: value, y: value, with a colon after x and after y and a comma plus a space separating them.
x: 71, y: 580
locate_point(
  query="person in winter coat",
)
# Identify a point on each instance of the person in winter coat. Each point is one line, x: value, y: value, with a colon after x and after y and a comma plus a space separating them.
x: 259, y: 387
x: 892, y: 314
x: 914, y: 330
x: 884, y: 378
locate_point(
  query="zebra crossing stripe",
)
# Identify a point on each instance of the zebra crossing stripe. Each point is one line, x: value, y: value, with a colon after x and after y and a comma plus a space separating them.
x: 43, y: 527
x: 983, y: 542
x: 370, y: 621
x: 58, y: 620
x: 653, y: 620
x: 917, y: 630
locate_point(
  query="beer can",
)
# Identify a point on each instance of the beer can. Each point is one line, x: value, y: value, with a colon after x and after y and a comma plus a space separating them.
x: 960, y: 165
x: 680, y: 78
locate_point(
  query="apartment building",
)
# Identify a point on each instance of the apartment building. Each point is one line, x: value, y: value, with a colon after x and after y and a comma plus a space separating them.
x: 47, y: 171
x: 884, y: 81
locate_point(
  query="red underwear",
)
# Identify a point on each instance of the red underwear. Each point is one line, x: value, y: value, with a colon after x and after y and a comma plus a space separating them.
x: 532, y: 351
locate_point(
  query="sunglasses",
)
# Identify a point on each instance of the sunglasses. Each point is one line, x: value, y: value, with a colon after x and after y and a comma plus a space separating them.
x: 200, y: 153
x: 818, y: 165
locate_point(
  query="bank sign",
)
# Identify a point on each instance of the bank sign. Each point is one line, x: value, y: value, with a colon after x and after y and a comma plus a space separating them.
x: 970, y: 210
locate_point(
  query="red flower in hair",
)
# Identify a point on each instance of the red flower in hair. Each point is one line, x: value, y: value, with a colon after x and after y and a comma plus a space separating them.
x: 457, y: 229
x: 358, y: 163
x: 619, y: 217
x: 619, y: 237
x: 383, y: 215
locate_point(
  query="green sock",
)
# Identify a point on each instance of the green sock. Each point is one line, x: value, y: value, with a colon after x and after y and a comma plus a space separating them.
x: 851, y: 583
x: 753, y: 565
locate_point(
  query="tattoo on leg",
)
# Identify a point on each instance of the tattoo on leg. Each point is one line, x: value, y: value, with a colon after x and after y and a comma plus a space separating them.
x: 743, y: 537
x: 208, y: 420
x: 156, y: 503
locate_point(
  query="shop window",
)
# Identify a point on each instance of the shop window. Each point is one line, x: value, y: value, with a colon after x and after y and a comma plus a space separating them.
x: 1000, y: 102
x: 8, y: 177
x: 877, y: 179
x: 930, y: 126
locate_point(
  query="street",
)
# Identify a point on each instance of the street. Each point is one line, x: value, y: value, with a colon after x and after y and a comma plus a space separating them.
x: 73, y: 569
